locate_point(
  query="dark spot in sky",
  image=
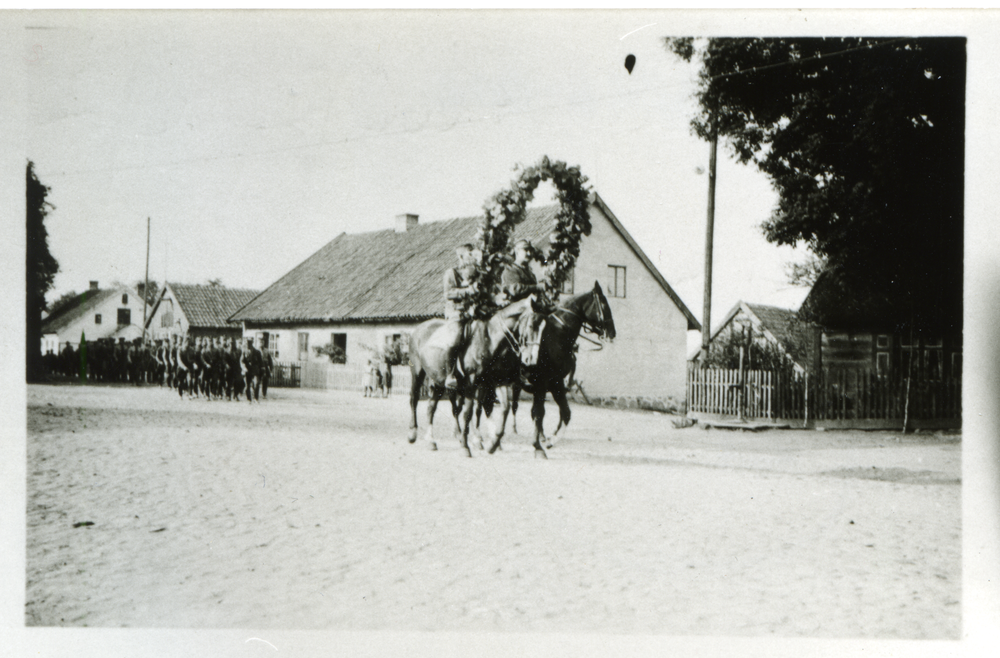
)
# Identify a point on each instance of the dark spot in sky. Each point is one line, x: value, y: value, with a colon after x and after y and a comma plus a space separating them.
x: 630, y: 63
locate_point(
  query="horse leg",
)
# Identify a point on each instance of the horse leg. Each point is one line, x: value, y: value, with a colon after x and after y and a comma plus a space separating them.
x: 417, y: 383
x: 498, y: 430
x: 436, y: 393
x: 515, y: 394
x: 457, y: 405
x: 559, y: 395
x: 538, y: 415
x: 479, y: 418
x: 468, y: 408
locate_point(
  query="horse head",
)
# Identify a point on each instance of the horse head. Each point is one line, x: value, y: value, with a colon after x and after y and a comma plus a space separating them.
x: 598, y: 313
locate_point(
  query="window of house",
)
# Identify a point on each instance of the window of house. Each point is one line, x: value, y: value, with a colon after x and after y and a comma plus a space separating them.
x: 933, y: 364
x: 263, y: 340
x: 97, y: 319
x: 933, y: 342
x: 616, y: 281
x: 274, y: 346
x: 956, y: 364
x: 303, y: 346
x: 340, y: 340
x: 882, y: 363
x: 124, y: 316
x: 124, y: 299
x: 882, y: 342
x: 167, y: 319
x: 904, y: 362
x: 567, y: 286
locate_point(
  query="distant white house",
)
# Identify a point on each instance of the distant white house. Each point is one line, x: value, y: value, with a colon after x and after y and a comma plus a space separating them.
x: 97, y: 313
x: 361, y: 291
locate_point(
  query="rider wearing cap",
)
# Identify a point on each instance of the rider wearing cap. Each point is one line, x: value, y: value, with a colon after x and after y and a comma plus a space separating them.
x: 518, y: 282
x: 458, y: 287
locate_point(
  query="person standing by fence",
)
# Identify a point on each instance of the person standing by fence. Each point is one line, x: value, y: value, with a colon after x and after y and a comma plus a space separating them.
x: 386, y: 367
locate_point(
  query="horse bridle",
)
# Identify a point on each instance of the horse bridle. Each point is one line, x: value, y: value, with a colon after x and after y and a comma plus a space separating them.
x: 588, y: 326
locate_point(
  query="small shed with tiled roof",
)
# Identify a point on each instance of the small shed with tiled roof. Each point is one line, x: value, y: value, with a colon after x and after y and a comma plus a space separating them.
x: 361, y: 291
x: 772, y: 325
x: 197, y: 310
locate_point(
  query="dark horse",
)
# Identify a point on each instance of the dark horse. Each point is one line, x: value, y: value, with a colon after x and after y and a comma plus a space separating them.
x: 556, y: 360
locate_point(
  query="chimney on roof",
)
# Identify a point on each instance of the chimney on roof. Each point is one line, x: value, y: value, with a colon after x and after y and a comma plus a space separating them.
x: 405, y: 222
x: 93, y: 285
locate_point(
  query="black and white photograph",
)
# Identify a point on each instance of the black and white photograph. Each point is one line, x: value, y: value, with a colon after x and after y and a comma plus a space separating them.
x: 500, y: 332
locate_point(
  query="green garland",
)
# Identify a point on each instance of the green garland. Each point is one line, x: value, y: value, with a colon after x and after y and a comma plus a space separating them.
x: 507, y: 208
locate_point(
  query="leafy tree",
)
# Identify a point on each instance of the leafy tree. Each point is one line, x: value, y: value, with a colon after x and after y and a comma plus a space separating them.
x: 759, y: 353
x: 63, y: 300
x: 41, y: 269
x: 805, y: 273
x: 151, y: 294
x: 863, y: 139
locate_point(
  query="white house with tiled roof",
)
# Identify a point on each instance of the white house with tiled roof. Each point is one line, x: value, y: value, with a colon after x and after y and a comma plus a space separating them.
x: 97, y: 313
x: 195, y: 311
x: 360, y: 291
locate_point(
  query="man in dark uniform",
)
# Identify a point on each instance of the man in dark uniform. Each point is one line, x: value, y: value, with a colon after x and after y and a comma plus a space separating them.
x: 518, y: 282
x: 458, y: 284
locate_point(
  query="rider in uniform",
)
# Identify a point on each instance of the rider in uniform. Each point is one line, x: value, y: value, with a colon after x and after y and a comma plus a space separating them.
x: 458, y: 284
x: 518, y: 282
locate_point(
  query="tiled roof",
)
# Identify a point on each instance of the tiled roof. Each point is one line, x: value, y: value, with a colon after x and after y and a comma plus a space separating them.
x: 75, y: 309
x: 382, y: 275
x: 210, y: 306
x: 781, y: 322
x: 787, y: 328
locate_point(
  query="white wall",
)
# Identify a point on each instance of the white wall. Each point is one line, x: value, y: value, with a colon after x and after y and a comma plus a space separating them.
x: 648, y: 357
x: 108, y: 309
x: 361, y: 339
x: 178, y: 324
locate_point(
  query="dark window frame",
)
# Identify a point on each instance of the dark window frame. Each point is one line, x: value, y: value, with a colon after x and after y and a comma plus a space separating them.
x: 618, y: 274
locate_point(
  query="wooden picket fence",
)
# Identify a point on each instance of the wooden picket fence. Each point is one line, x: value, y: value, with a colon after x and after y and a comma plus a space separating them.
x: 286, y: 374
x: 848, y: 397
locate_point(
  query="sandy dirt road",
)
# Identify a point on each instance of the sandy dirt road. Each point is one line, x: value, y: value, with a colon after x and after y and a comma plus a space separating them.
x: 311, y: 511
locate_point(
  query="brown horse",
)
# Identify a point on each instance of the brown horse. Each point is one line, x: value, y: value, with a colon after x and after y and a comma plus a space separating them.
x: 489, y: 355
x: 556, y: 360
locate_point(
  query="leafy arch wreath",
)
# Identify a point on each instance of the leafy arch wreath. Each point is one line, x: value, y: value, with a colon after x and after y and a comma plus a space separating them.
x: 508, y: 207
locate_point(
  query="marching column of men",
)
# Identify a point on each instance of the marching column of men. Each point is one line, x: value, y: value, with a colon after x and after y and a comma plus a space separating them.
x: 211, y: 368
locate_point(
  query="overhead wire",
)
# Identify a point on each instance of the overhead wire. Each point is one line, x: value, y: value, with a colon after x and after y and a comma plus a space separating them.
x: 462, y: 122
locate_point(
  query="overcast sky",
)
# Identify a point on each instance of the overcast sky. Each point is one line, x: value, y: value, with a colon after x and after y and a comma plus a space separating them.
x: 251, y: 140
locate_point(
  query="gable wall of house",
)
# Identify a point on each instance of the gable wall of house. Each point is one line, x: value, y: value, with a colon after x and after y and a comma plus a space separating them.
x: 167, y: 320
x: 108, y: 310
x: 648, y: 357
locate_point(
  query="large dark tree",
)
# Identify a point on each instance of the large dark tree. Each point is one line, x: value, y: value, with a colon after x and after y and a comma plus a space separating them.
x: 863, y: 139
x: 41, y: 270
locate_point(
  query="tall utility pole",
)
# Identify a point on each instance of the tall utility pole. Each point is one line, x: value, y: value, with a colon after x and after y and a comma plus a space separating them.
x: 145, y: 286
x: 706, y: 325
